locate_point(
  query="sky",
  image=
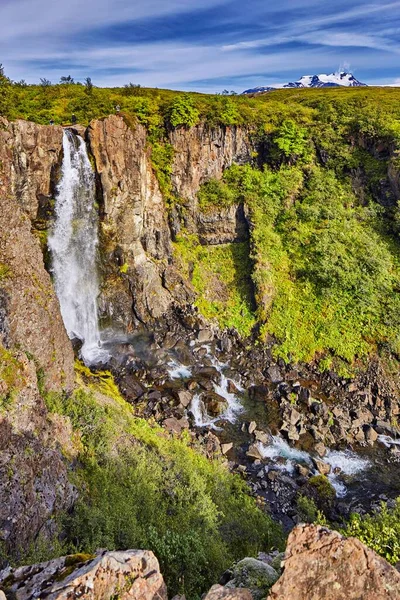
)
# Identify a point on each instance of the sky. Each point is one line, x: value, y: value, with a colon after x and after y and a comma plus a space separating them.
x: 199, y: 45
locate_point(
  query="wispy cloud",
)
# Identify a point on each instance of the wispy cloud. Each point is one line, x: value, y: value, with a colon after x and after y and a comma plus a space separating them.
x: 201, y: 44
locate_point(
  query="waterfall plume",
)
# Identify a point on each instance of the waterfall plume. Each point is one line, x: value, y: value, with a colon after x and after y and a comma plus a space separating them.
x: 73, y: 243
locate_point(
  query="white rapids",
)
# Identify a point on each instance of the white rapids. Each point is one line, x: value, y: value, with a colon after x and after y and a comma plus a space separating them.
x: 284, y: 458
x: 73, y: 244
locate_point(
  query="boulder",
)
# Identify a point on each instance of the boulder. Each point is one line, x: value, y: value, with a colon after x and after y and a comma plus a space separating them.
x: 214, y: 403
x: 252, y: 427
x: 322, y: 466
x: 184, y: 397
x: 253, y: 574
x: 254, y: 452
x: 322, y: 564
x: 226, y: 447
x: 129, y: 575
x: 219, y: 592
x: 274, y: 374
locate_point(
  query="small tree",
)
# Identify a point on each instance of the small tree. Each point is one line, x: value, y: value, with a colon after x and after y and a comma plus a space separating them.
x: 182, y: 112
x: 45, y: 82
x: 88, y: 84
x: 67, y: 79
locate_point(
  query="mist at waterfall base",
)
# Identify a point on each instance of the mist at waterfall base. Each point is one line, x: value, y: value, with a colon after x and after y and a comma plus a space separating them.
x: 73, y: 243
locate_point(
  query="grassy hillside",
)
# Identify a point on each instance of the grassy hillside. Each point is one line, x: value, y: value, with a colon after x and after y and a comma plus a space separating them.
x: 322, y: 196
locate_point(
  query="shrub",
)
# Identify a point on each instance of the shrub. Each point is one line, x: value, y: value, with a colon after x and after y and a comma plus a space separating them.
x: 182, y: 112
x: 139, y: 488
x: 379, y: 531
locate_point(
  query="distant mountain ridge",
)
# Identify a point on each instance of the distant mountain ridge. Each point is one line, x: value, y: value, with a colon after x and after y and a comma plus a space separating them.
x: 341, y: 79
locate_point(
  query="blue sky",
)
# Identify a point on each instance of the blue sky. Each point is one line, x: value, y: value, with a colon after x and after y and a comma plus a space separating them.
x: 203, y: 45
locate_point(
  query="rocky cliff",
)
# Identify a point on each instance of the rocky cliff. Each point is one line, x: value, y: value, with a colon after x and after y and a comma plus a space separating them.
x: 139, y: 284
x: 34, y: 347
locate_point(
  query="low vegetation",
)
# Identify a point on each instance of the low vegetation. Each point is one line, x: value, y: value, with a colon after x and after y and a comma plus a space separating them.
x: 221, y: 277
x: 380, y: 531
x: 141, y: 488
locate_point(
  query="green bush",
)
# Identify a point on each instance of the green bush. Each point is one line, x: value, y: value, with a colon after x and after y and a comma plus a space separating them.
x: 182, y: 112
x: 379, y: 531
x: 140, y: 488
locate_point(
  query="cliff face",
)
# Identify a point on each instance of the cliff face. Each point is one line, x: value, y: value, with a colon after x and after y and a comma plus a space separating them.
x: 31, y: 317
x: 139, y: 273
x: 33, y: 342
x: 134, y: 228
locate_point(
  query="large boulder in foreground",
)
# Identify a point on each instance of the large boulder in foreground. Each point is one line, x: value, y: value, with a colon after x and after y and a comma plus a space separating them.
x: 129, y: 575
x: 322, y: 564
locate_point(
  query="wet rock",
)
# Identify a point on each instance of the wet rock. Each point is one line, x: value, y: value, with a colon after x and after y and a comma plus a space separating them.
x: 254, y: 452
x: 323, y: 564
x: 322, y: 467
x: 210, y: 373
x: 214, y: 403
x: 385, y: 428
x: 320, y: 449
x: 302, y: 470
x: 252, y: 427
x: 259, y: 393
x: 130, y: 575
x: 274, y: 374
x: 184, y: 397
x: 262, y: 436
x: 231, y: 387
x: 226, y: 447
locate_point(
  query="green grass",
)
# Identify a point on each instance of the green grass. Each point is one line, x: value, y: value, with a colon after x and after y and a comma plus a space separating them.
x: 140, y: 488
x: 221, y: 277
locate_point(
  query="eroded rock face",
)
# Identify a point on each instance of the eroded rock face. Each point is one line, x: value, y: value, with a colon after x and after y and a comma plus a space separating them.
x: 30, y: 315
x: 202, y: 153
x: 323, y: 564
x: 135, y: 229
x: 130, y: 575
x: 33, y: 344
x: 36, y: 158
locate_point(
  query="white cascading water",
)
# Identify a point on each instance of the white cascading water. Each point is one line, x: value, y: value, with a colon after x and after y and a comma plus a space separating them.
x: 73, y: 244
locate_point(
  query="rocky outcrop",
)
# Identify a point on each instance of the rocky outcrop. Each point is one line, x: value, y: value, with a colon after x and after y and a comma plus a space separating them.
x: 136, y: 237
x: 36, y: 157
x: 130, y: 575
x: 202, y: 153
x: 323, y: 564
x: 34, y: 483
x: 33, y: 344
x: 30, y: 315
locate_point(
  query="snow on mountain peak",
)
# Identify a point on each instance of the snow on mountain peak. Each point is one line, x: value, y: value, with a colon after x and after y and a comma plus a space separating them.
x: 340, y: 79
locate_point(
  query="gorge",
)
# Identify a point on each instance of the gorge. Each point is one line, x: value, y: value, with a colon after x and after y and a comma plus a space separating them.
x: 174, y: 263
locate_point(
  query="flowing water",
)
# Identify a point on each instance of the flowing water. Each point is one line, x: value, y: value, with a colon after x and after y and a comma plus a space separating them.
x: 73, y: 243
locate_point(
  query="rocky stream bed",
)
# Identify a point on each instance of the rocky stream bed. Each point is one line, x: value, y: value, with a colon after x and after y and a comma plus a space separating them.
x: 278, y: 425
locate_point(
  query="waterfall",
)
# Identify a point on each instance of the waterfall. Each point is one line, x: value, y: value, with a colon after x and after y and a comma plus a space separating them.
x: 73, y: 243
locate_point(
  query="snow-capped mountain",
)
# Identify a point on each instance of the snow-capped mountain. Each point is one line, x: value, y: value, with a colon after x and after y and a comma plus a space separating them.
x: 257, y: 90
x: 331, y: 80
x: 315, y: 81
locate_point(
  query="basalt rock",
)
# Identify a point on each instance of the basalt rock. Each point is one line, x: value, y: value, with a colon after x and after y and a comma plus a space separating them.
x: 34, y: 346
x: 30, y: 312
x: 323, y: 564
